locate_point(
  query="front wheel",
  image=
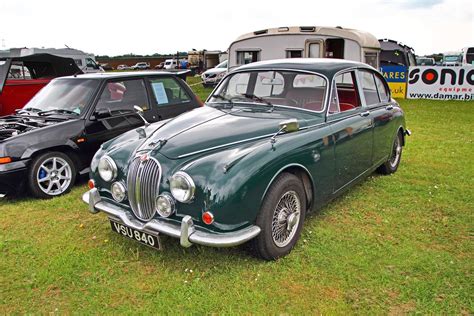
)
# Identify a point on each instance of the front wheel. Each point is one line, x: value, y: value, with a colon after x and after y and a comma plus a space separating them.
x: 281, y: 218
x: 391, y: 165
x: 51, y: 174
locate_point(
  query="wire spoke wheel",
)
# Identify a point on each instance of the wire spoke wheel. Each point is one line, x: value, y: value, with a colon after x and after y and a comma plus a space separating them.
x: 54, y: 176
x: 396, y: 153
x: 286, y: 218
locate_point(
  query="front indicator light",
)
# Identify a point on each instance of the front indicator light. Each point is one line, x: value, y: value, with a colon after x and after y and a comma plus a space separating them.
x: 165, y: 205
x: 91, y: 184
x: 5, y: 160
x: 207, y: 218
x: 118, y: 191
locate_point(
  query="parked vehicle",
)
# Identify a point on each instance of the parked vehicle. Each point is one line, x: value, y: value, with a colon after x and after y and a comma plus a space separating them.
x: 170, y: 64
x: 123, y: 67
x: 22, y: 77
x: 468, y: 56
x: 212, y: 76
x: 160, y: 65
x: 452, y: 59
x: 86, y: 62
x: 425, y: 61
x: 140, y: 66
x: 276, y: 139
x: 106, y: 67
x: 396, y: 53
x: 304, y: 41
x: 53, y: 138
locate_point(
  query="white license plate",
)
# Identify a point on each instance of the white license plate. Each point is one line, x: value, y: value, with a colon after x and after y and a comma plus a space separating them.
x: 144, y: 238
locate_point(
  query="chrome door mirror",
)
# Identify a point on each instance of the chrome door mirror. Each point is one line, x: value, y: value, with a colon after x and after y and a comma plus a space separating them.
x: 139, y: 111
x: 289, y: 126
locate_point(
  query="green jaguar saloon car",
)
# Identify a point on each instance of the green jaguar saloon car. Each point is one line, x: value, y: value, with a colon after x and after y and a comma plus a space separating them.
x: 274, y: 141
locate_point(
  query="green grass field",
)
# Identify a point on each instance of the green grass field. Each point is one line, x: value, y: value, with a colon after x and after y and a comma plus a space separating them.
x: 396, y: 244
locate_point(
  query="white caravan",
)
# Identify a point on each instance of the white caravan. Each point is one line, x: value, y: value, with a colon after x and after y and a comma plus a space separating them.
x: 85, y: 62
x: 468, y: 56
x: 305, y: 41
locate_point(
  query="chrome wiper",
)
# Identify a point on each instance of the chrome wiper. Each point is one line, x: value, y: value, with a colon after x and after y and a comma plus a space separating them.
x: 259, y: 99
x: 40, y: 113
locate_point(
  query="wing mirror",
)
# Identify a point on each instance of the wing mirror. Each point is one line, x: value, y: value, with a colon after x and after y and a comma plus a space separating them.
x: 287, y: 126
x: 139, y: 111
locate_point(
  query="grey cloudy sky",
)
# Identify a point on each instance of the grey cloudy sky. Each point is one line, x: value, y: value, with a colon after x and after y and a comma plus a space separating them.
x: 114, y: 27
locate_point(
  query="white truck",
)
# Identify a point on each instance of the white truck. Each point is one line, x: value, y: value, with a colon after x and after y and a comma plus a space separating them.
x: 305, y: 41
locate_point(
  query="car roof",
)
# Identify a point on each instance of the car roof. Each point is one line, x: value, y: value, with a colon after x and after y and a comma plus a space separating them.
x: 122, y: 74
x: 325, y: 66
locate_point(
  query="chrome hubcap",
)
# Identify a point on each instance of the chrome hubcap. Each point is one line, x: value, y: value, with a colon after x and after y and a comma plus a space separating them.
x: 54, y: 176
x: 286, y: 218
x: 396, y: 152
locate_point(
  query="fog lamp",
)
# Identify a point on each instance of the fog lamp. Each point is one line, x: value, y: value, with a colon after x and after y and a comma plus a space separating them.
x: 165, y: 205
x: 118, y: 191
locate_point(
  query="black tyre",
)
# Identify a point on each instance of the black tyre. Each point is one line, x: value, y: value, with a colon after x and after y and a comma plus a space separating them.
x: 281, y: 218
x: 391, y: 165
x: 51, y: 174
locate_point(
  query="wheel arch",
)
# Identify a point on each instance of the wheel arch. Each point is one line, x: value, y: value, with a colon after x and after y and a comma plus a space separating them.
x: 306, y: 179
x: 65, y: 149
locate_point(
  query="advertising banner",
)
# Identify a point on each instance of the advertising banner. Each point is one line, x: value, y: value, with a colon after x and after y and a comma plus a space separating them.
x: 441, y: 83
x: 396, y: 77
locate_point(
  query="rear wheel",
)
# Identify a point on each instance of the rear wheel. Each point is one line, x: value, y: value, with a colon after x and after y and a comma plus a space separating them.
x: 281, y: 218
x: 391, y: 165
x: 51, y: 174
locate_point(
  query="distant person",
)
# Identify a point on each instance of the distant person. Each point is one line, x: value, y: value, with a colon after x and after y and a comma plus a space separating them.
x: 184, y: 64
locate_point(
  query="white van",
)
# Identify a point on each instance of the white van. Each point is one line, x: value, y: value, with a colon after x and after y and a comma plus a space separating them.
x: 305, y: 41
x: 452, y: 59
x: 170, y: 64
x: 85, y: 62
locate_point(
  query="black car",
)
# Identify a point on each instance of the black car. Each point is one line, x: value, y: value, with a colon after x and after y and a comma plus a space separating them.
x: 45, y: 145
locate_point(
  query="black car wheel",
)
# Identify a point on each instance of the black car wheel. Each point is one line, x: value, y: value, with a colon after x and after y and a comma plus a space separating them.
x: 391, y: 165
x: 51, y: 174
x: 281, y: 218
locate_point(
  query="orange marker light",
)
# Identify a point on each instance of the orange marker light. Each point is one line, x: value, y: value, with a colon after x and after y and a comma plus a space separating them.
x: 5, y: 160
x: 91, y: 184
x: 207, y: 218
x: 80, y: 140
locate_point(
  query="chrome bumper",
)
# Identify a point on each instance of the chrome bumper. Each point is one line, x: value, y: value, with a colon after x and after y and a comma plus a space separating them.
x: 186, y: 232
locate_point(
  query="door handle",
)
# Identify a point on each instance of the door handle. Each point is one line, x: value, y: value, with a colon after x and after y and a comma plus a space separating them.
x: 366, y: 113
x: 389, y: 107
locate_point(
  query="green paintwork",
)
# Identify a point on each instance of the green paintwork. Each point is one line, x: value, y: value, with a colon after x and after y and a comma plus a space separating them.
x: 231, y: 180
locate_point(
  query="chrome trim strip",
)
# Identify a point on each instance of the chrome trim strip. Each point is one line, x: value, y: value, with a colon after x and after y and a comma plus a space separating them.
x: 186, y: 231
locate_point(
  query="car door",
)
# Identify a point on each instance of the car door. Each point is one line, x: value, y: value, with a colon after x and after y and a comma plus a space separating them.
x: 114, y: 113
x: 377, y: 101
x: 170, y: 97
x: 352, y: 130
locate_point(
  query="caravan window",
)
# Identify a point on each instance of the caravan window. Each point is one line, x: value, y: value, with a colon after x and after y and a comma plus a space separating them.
x: 247, y: 57
x: 314, y: 49
x: 294, y: 53
x: 371, y: 59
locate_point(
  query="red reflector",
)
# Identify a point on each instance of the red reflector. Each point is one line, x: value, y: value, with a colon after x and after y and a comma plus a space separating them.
x: 91, y: 184
x: 208, y: 218
x: 5, y: 160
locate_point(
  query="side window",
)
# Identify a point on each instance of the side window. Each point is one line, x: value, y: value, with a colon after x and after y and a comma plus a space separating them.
x: 123, y: 95
x: 78, y: 62
x: 381, y: 87
x: 347, y: 91
x: 369, y: 88
x: 247, y: 57
x: 168, y: 91
x: 294, y: 53
x: 371, y: 59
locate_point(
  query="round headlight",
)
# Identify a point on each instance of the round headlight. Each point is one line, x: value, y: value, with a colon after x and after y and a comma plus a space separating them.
x: 182, y: 187
x: 164, y: 205
x: 107, y: 168
x: 118, y: 191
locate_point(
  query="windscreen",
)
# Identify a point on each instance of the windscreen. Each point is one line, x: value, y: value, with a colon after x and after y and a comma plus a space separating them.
x: 285, y: 88
x: 71, y: 95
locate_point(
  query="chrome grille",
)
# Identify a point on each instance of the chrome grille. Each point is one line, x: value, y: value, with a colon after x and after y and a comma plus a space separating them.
x: 143, y: 183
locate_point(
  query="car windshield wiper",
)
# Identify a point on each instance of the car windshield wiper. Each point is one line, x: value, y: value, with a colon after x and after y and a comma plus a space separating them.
x: 30, y: 109
x: 57, y: 111
x: 259, y: 99
x: 223, y: 98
